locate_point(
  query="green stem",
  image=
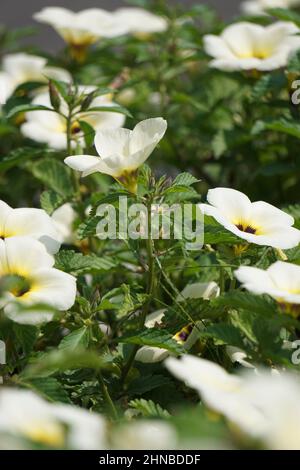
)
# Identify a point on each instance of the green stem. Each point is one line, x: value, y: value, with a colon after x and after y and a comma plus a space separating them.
x: 107, y: 396
x: 150, y: 289
x: 222, y: 280
x: 75, y: 177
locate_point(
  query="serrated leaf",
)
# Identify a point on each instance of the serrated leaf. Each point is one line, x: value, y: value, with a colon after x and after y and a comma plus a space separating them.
x: 75, y: 339
x: 224, y: 333
x: 154, y: 337
x: 184, y: 179
x: 148, y: 408
x: 26, y: 335
x: 77, y: 263
x: 49, y: 388
x: 246, y: 301
x: 50, y: 201
x: 55, y: 175
x: 21, y: 155
x: 216, y: 234
x: 146, y: 383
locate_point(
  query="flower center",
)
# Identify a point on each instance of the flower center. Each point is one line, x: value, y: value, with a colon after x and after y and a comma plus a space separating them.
x: 75, y: 128
x: 16, y: 285
x: 51, y: 434
x: 246, y: 228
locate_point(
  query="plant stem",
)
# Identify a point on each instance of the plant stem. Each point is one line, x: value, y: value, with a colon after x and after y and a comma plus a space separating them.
x: 222, y: 280
x: 69, y: 152
x: 107, y: 396
x: 150, y: 289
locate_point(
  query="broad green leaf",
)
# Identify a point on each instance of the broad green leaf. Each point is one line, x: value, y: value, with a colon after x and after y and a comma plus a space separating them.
x: 153, y: 337
x: 55, y: 175
x: 26, y: 335
x: 77, y: 263
x: 25, y: 108
x: 75, y: 339
x: 246, y: 301
x: 48, y: 387
x: 50, y: 201
x: 224, y: 333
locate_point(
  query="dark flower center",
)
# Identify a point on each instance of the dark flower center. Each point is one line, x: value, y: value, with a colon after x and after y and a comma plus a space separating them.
x: 246, y: 228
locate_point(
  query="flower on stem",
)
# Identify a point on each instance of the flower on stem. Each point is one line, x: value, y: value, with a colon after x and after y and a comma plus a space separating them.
x: 29, y: 420
x: 83, y: 28
x: 281, y: 281
x: 121, y: 151
x: 248, y: 46
x: 28, y: 270
x: 256, y: 222
x: 51, y: 127
x: 258, y: 7
x: 21, y: 68
x: 35, y: 223
x: 140, y: 22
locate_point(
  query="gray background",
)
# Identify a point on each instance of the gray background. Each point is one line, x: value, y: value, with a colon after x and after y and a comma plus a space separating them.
x: 15, y: 13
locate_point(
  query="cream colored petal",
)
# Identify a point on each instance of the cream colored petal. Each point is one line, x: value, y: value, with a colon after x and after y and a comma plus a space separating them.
x: 26, y: 255
x: 232, y: 204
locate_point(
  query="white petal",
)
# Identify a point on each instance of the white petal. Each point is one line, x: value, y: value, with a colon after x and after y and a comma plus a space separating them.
x: 139, y: 20
x: 285, y: 276
x: 112, y: 142
x: 279, y: 237
x: 215, y: 46
x: 198, y: 290
x: 82, y: 163
x: 147, y: 134
x: 25, y: 255
x: 34, y: 223
x: 232, y: 204
x: 254, y: 279
x: 241, y: 38
x: 53, y: 287
x: 150, y: 355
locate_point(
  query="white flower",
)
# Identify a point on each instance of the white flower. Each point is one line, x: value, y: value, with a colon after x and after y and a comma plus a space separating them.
x: 63, y: 219
x: 219, y: 390
x: 258, y: 7
x: 121, y: 151
x: 21, y: 67
x: 264, y: 405
x: 247, y: 46
x: 31, y: 222
x: 50, y: 127
x: 27, y: 264
x: 256, y: 222
x: 281, y: 281
x: 145, y: 434
x: 81, y: 28
x: 140, y: 21
x: 277, y: 397
x: 186, y: 336
x: 26, y: 416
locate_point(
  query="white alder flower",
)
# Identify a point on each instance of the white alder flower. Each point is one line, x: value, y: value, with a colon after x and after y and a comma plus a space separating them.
x: 51, y: 128
x: 84, y: 27
x: 281, y: 281
x: 258, y: 7
x: 63, y: 219
x: 21, y: 67
x: 188, y: 335
x: 264, y: 405
x: 256, y: 222
x: 33, y: 280
x: 144, y: 434
x: 219, y: 390
x: 249, y: 46
x: 30, y: 421
x: 140, y: 21
x: 121, y: 151
x: 35, y: 223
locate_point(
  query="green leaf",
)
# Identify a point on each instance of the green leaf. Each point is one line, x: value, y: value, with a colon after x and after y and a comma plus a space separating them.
x: 154, y: 337
x: 216, y: 234
x: 55, y: 175
x: 285, y: 14
x: 246, y: 301
x: 184, y: 179
x: 61, y: 360
x: 50, y: 201
x: 283, y: 125
x: 25, y: 108
x: 26, y: 335
x: 146, y: 383
x: 224, y: 333
x: 48, y: 387
x: 88, y: 132
x: 109, y: 109
x: 22, y: 155
x: 148, y: 409
x: 77, y: 263
x: 88, y: 227
x: 77, y: 338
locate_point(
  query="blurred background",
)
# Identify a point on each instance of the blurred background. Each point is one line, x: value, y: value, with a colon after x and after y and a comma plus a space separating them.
x: 16, y: 13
